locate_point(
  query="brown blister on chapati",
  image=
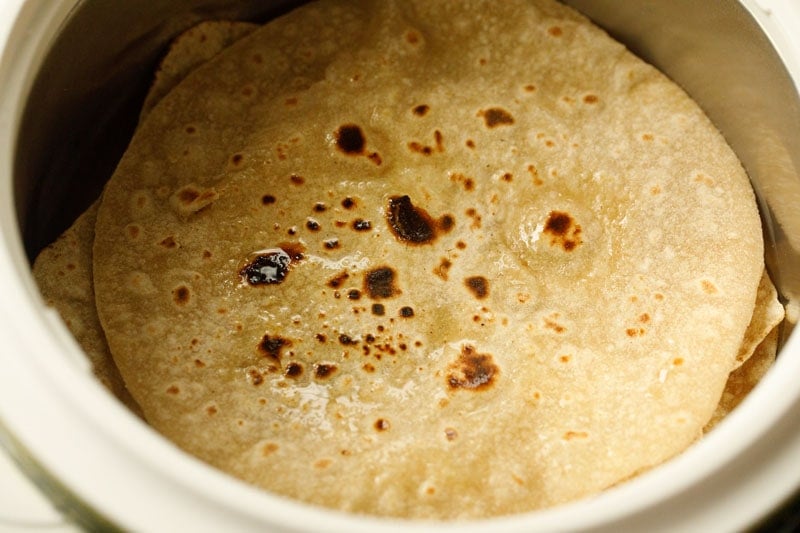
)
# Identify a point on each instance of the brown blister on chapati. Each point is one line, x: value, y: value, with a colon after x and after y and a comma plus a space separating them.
x: 413, y: 225
x: 472, y: 370
x: 406, y: 311
x: 572, y: 435
x: 478, y: 286
x: 545, y: 139
x: 338, y: 280
x: 354, y: 294
x: 553, y: 323
x: 472, y: 213
x: 421, y: 110
x: 563, y: 230
x: 271, y: 347
x: 236, y: 161
x: 168, y: 242
x: 413, y: 38
x: 381, y: 282
x: 324, y: 370
x: 635, y: 332
x: 248, y: 91
x: 359, y: 224
x: 708, y: 287
x: 269, y: 448
x: 293, y: 370
x: 703, y: 179
x: 255, y: 376
x: 420, y: 148
x: 445, y: 223
x: 467, y: 182
x: 534, y: 172
x: 271, y: 267
x: 424, y: 149
x: 443, y: 268
x: 347, y: 340
x: 181, y: 295
x: 191, y: 199
x: 496, y: 116
x: 350, y: 140
x: 141, y: 203
x: 133, y: 232
x: 321, y: 464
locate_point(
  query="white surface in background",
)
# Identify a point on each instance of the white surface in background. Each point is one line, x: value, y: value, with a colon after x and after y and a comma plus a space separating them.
x: 23, y: 508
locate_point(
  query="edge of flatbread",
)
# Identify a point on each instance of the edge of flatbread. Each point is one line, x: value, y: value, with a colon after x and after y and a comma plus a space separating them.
x: 188, y: 51
x: 63, y: 269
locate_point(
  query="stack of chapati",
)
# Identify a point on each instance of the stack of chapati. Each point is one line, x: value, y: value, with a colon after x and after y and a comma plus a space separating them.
x: 421, y: 259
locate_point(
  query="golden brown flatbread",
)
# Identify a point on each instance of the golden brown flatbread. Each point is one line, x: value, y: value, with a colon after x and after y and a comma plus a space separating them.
x: 768, y: 314
x: 745, y: 378
x: 398, y: 259
x: 757, y: 352
x: 63, y: 270
x: 188, y: 51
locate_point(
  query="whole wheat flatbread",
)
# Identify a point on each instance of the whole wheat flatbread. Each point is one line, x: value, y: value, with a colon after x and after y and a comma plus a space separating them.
x: 399, y: 259
x: 63, y: 270
x: 745, y: 378
x: 768, y: 313
x: 189, y: 50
